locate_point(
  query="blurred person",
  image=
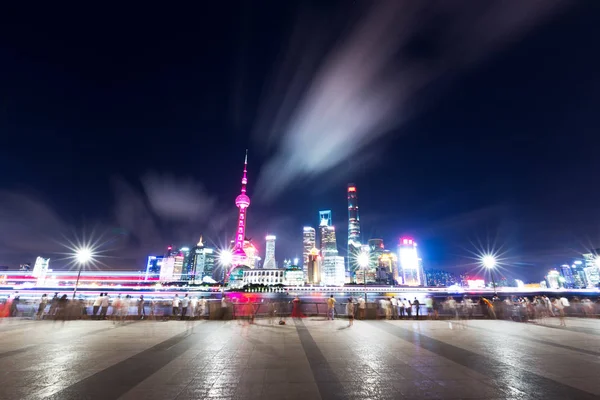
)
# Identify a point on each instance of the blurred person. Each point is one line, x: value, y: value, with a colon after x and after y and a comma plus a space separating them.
x: 249, y: 311
x: 271, y: 311
x: 394, y: 302
x: 402, y: 307
x: 331, y: 308
x: 561, y: 311
x: 53, y: 304
x: 417, y: 307
x: 125, y: 302
x: 175, y: 304
x: 408, y: 308
x: 548, y: 305
x: 140, y: 307
x: 350, y: 311
x: 223, y: 307
x: 387, y: 308
x: 42, y: 306
x: 116, y: 308
x: 96, y: 306
x: 452, y: 306
x: 429, y: 306
x: 104, y: 306
x: 61, y: 308
x: 587, y: 308
x: 468, y: 306
x: 185, y: 302
x: 193, y: 307
x: 487, y: 308
x: 201, y: 307
x: 14, y: 303
x: 435, y: 305
x: 296, y: 313
x: 362, y: 306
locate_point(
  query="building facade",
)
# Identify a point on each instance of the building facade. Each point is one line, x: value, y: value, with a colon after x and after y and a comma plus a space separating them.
x: 308, y: 244
x: 354, y: 241
x: 313, y: 276
x: 270, y: 262
x: 410, y: 264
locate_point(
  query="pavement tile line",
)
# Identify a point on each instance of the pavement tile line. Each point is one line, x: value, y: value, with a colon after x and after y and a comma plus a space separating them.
x: 505, y: 375
x: 116, y: 380
x: 541, y: 341
x: 330, y: 387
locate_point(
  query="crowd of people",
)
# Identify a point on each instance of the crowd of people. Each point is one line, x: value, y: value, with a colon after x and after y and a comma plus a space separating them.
x: 186, y: 307
x: 117, y: 308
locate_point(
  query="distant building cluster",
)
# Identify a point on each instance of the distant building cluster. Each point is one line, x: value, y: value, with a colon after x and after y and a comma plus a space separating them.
x: 580, y: 273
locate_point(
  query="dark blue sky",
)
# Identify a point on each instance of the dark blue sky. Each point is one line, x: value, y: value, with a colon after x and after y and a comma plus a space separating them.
x: 134, y: 122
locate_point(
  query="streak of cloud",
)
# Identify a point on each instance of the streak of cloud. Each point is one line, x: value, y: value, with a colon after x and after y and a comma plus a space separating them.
x: 370, y: 82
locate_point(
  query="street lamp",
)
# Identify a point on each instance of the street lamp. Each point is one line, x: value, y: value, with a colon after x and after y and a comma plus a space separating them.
x: 363, y: 261
x: 82, y: 256
x: 489, y: 261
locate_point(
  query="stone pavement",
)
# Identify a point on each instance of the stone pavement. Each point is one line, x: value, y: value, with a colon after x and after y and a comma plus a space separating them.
x: 304, y: 359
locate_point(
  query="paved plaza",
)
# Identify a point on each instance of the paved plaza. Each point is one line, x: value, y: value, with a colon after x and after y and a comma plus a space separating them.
x: 309, y: 358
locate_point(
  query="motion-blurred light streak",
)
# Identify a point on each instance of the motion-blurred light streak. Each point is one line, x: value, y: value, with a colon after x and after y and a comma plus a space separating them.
x: 368, y: 84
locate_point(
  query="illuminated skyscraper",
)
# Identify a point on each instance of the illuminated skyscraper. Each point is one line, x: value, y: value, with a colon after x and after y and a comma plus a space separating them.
x: 325, y: 218
x: 313, y: 275
x: 270, y: 262
x: 242, y: 202
x: 410, y: 265
x: 353, y: 224
x: 308, y: 243
x: 203, y: 262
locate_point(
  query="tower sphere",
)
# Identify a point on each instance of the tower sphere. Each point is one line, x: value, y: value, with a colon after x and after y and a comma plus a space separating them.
x: 242, y: 201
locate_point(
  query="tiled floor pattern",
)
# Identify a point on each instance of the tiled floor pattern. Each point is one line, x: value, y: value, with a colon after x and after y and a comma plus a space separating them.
x: 304, y: 359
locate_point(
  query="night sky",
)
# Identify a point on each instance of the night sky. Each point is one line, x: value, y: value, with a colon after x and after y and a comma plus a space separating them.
x: 462, y: 127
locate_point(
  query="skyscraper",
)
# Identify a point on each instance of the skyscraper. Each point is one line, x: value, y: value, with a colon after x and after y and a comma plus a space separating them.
x: 325, y: 218
x: 270, y: 262
x: 411, y: 267
x: 203, y: 262
x: 242, y: 202
x: 308, y: 243
x: 313, y: 275
x: 353, y: 224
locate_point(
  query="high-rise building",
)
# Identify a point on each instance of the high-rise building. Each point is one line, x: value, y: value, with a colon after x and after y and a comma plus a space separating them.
x: 40, y: 269
x: 325, y: 218
x: 553, y: 279
x: 203, y: 262
x: 567, y: 275
x: 308, y: 243
x: 591, y: 268
x: 334, y: 271
x: 153, y: 266
x: 242, y: 202
x: 313, y: 276
x: 270, y: 262
x: 353, y: 225
x: 410, y: 264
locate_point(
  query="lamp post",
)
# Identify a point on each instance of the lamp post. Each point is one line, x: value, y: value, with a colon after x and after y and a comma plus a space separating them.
x: 489, y: 261
x: 82, y: 257
x: 363, y: 262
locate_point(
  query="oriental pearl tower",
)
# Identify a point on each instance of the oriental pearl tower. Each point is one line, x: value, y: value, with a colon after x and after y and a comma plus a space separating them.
x: 242, y: 201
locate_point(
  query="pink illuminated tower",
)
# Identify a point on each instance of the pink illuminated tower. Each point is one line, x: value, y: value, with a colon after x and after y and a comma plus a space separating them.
x: 242, y: 202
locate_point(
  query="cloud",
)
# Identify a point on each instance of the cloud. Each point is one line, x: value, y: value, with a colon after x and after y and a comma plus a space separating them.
x: 370, y: 82
x: 178, y: 199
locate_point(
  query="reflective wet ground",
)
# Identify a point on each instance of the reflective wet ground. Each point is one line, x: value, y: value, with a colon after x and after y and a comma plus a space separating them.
x: 305, y: 359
